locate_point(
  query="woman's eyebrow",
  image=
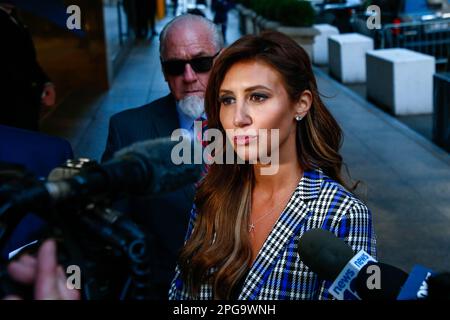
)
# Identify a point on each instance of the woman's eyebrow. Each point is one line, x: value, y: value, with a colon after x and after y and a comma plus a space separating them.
x: 256, y: 87
x: 252, y: 88
x: 222, y: 91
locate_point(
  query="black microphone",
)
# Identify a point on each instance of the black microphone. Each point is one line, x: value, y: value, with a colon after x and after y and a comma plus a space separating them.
x: 323, y: 253
x: 144, y: 167
x: 439, y: 286
x: 334, y: 260
x: 390, y: 281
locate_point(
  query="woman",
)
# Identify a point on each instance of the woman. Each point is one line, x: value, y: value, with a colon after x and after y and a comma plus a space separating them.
x: 243, y: 234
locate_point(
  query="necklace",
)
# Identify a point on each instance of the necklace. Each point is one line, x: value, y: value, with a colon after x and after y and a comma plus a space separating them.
x: 251, y: 226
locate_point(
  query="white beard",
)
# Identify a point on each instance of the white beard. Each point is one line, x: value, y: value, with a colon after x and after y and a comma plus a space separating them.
x: 192, y: 106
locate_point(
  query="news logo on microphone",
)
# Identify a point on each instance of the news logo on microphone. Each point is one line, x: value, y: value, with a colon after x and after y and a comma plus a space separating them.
x: 343, y: 287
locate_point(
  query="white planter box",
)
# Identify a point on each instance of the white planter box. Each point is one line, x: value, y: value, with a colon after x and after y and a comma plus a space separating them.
x: 249, y: 21
x: 304, y: 36
x: 401, y: 80
x: 320, y: 47
x: 347, y: 56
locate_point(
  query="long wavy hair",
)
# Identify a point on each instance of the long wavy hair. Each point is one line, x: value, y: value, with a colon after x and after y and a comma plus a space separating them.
x: 218, y: 251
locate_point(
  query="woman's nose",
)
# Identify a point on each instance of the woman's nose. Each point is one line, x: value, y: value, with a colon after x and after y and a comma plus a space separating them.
x: 241, y: 116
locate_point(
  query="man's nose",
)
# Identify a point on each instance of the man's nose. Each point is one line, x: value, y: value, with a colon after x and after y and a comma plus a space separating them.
x: 189, y: 74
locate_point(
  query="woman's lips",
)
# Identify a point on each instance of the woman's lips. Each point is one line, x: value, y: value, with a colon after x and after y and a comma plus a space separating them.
x: 243, y: 140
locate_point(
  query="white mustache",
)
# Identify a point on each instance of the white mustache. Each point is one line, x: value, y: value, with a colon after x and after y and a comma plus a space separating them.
x: 192, y: 106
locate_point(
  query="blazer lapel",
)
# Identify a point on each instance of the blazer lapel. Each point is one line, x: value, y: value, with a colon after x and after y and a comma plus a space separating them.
x: 167, y: 117
x: 287, y: 226
x: 165, y: 124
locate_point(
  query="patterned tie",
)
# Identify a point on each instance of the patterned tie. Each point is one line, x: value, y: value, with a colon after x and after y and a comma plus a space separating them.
x: 204, y: 144
x: 204, y: 128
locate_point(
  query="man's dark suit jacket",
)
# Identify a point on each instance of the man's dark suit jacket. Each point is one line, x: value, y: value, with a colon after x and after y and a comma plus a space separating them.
x: 164, y: 217
x: 21, y: 78
x: 38, y: 153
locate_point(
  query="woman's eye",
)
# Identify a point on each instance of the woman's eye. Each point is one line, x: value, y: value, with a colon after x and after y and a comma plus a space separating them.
x: 258, y: 97
x: 226, y: 100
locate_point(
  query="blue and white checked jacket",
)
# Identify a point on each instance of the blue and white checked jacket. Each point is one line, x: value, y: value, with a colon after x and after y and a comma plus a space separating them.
x: 278, y: 273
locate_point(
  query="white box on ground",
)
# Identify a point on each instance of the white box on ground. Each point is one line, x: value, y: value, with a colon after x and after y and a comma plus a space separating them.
x: 320, y: 47
x: 347, y: 56
x: 401, y: 80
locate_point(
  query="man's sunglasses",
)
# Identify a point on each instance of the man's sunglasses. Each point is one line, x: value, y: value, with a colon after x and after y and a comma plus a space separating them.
x: 200, y: 64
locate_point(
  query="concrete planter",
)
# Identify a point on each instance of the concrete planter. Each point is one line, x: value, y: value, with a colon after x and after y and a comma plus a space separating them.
x: 401, y: 80
x: 304, y: 36
x: 259, y: 22
x: 255, y: 24
x: 347, y: 56
x: 242, y: 12
x: 441, y: 109
x: 320, y: 48
x: 269, y: 25
x: 249, y: 19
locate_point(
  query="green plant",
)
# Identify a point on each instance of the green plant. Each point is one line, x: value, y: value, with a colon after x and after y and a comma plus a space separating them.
x: 295, y: 13
x: 265, y: 8
x: 245, y: 3
x: 287, y: 12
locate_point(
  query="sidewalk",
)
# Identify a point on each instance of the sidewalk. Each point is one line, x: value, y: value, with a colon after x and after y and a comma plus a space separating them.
x: 83, y: 118
x: 406, y: 179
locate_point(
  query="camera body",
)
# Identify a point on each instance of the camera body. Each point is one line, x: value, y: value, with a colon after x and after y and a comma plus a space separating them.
x: 109, y: 249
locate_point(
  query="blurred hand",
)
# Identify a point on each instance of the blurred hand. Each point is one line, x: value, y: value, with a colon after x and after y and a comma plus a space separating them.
x: 49, y: 95
x: 48, y: 278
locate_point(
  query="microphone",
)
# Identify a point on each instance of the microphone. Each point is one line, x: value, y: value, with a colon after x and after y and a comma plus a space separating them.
x: 333, y: 260
x: 416, y: 286
x: 439, y: 286
x: 144, y: 168
x: 321, y: 252
x: 362, y: 277
x: 380, y: 281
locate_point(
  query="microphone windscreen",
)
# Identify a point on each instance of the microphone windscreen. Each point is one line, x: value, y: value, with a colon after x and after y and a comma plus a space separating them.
x: 324, y: 253
x: 439, y: 286
x: 167, y: 169
x: 390, y: 281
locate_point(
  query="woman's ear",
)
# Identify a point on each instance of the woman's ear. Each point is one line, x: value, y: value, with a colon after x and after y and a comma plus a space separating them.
x: 303, y: 104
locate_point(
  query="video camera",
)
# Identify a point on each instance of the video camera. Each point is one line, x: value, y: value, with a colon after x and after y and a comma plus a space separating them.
x: 77, y: 203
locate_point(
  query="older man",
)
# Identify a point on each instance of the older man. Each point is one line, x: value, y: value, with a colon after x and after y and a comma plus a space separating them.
x: 188, y: 46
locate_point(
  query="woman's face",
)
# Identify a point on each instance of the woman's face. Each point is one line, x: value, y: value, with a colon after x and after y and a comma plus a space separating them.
x: 253, y: 97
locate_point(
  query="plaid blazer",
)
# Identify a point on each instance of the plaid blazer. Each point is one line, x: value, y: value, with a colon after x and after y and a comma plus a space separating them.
x: 278, y: 273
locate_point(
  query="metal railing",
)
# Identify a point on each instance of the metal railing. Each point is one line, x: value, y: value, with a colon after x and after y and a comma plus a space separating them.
x: 428, y: 37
